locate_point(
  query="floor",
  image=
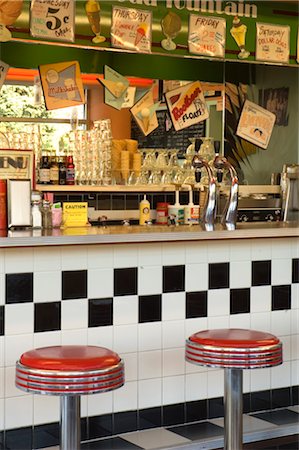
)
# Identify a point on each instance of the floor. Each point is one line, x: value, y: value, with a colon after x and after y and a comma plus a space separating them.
x: 274, y: 430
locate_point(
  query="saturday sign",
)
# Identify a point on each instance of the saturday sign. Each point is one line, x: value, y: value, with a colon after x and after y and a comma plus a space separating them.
x: 187, y: 105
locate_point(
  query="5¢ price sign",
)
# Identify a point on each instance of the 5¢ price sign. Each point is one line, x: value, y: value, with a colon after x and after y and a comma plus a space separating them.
x: 53, y: 19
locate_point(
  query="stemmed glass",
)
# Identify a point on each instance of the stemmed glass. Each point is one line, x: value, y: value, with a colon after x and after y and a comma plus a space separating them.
x: 171, y: 26
x: 92, y: 9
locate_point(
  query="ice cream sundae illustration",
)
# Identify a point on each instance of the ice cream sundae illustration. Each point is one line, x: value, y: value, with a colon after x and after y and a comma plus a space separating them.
x: 171, y: 26
x: 9, y: 12
x: 93, y: 9
x: 140, y: 33
x: 238, y: 32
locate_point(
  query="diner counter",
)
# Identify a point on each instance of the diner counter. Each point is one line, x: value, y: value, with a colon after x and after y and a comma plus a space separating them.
x: 149, y: 233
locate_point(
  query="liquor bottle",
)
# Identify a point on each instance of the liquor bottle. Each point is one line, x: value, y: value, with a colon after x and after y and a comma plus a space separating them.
x: 44, y: 171
x: 70, y: 171
x: 62, y: 171
x: 54, y: 171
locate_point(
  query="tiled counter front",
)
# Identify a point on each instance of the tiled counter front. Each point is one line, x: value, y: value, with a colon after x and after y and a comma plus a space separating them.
x: 143, y: 301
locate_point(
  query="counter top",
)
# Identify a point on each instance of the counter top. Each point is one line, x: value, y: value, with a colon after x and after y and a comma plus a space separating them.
x: 142, y: 234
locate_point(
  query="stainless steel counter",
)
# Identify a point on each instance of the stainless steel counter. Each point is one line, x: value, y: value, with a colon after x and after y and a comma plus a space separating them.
x: 137, y: 234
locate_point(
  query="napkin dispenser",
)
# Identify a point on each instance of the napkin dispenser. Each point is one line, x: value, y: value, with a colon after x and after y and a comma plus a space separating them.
x: 19, y: 203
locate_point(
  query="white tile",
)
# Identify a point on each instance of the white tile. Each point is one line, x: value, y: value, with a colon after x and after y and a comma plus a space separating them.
x: 295, y: 372
x: 218, y: 322
x: 46, y: 339
x: 240, y: 274
x: 74, y: 258
x: 99, y: 404
x: 83, y: 406
x: 286, y: 347
x: 125, y: 398
x: 156, y: 438
x: 9, y: 382
x: 173, y: 253
x: 294, y: 408
x: 173, y: 334
x: 173, y: 362
x: 2, y: 350
x: 24, y: 407
x: 218, y: 302
x: 174, y: 306
x: 149, y: 364
x: 18, y: 260
x: 2, y: 260
x: 239, y: 321
x: 125, y: 310
x: 125, y: 338
x: 281, y: 271
x: 102, y: 336
x: 260, y: 379
x: 295, y: 321
x: 196, y: 252
x: 281, y: 248
x: 149, y: 336
x: 15, y: 346
x: 173, y: 390
x: 295, y: 296
x: 294, y: 247
x: 74, y: 314
x: 125, y: 255
x: 2, y: 289
x: 250, y: 424
x: 47, y: 286
x: 2, y: 414
x: 18, y: 318
x: 196, y: 277
x: 196, y: 386
x: 46, y: 259
x: 246, y: 380
x: 45, y: 409
x: 218, y: 252
x: 99, y: 256
x: 281, y: 376
x: 294, y: 346
x: 240, y: 250
x: 149, y: 255
x: 74, y: 337
x: 281, y: 322
x: 215, y: 383
x: 261, y: 249
x: 261, y: 321
x: 149, y: 280
x: 100, y: 283
x: 195, y: 325
x: 149, y: 393
x: 260, y: 299
x: 131, y: 366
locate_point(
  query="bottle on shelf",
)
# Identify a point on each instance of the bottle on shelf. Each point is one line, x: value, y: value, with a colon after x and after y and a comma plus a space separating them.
x: 61, y: 171
x: 46, y: 214
x: 54, y: 170
x: 70, y: 171
x: 144, y: 211
x: 44, y: 170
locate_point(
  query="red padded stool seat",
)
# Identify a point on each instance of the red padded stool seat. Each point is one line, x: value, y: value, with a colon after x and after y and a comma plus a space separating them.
x: 69, y: 371
x: 234, y: 350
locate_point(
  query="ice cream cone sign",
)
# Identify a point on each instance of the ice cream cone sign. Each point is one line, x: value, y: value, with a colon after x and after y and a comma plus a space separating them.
x: 146, y: 116
x: 9, y: 12
x: 140, y: 33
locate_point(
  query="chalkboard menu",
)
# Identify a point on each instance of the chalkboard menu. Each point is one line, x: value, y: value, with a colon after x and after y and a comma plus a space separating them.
x: 165, y: 135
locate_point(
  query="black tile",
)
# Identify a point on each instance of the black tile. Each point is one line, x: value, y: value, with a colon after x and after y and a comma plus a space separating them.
x: 118, y: 201
x: 173, y: 414
x: 91, y: 199
x: 173, y: 278
x: 20, y: 439
x: 150, y: 418
x: 279, y: 417
x: 218, y: 275
x: 260, y: 400
x: 196, y: 304
x: 184, y: 198
x: 215, y: 407
x: 261, y: 273
x: 150, y: 308
x: 158, y: 198
x: 47, y: 316
x: 295, y: 270
x: 19, y: 287
x: 75, y: 197
x: 132, y: 201
x: 281, y: 297
x: 99, y: 426
x: 125, y: 422
x: 196, y: 411
x: 125, y: 281
x: 74, y: 284
x: 100, y: 312
x: 109, y: 444
x: 281, y: 397
x: 196, y: 431
x: 295, y: 395
x: 246, y: 403
x: 45, y: 435
x: 239, y: 301
x: 103, y: 201
x: 2, y: 323
x: 58, y: 197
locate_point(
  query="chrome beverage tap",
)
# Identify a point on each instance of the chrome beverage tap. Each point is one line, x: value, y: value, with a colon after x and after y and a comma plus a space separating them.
x: 209, y: 212
x: 229, y: 214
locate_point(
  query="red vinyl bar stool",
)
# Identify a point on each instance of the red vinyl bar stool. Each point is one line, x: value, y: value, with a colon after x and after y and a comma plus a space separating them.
x: 69, y: 371
x: 233, y: 350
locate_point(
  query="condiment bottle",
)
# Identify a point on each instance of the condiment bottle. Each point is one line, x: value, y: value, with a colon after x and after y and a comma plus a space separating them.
x: 70, y: 171
x: 176, y: 211
x: 161, y: 213
x: 191, y: 212
x: 36, y: 214
x: 144, y: 211
x: 44, y: 171
x: 46, y: 215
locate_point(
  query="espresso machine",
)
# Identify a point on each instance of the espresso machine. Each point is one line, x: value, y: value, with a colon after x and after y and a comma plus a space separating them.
x: 290, y: 192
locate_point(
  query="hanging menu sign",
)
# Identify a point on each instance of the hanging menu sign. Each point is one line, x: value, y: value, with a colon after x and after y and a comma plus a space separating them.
x: 131, y: 29
x: 207, y: 35
x: 272, y: 42
x: 297, y: 59
x: 53, y: 19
